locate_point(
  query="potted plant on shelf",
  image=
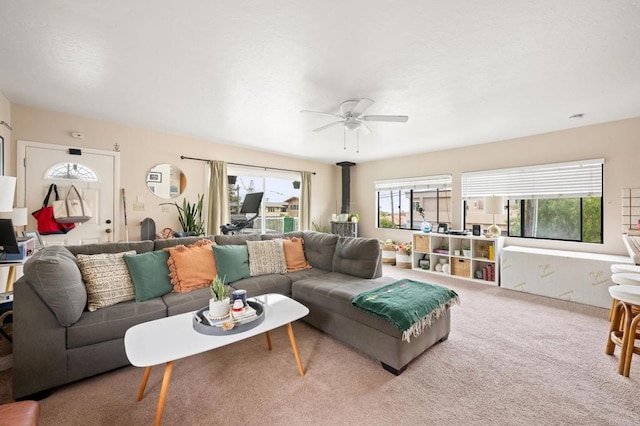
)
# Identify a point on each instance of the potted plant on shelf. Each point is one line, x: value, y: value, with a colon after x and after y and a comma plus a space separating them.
x: 424, y: 226
x: 466, y: 248
x: 190, y: 217
x: 219, y: 302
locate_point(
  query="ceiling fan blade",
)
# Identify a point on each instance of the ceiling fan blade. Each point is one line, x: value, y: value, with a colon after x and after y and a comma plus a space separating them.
x: 361, y: 107
x: 395, y: 118
x: 365, y: 130
x: 326, y: 126
x: 320, y: 112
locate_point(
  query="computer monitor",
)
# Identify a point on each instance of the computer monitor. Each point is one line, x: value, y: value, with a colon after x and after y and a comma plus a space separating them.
x: 8, y: 241
x: 251, y: 203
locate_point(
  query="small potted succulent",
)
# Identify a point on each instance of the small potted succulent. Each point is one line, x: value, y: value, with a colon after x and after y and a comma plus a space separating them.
x: 219, y: 302
x: 466, y: 248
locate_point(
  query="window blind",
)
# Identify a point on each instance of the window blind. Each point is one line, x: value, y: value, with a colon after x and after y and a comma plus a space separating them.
x: 415, y: 183
x: 559, y: 180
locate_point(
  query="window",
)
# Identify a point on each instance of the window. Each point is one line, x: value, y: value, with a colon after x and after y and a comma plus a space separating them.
x: 279, y: 210
x: 561, y: 201
x: 399, y: 201
x: 71, y: 171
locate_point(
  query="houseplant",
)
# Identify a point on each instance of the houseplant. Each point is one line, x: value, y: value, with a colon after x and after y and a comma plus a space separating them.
x: 219, y: 302
x: 425, y: 226
x: 190, y: 216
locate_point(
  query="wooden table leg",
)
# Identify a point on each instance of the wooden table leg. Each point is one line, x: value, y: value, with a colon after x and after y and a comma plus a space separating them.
x: 10, y: 278
x: 269, y: 340
x: 292, y: 339
x: 163, y: 391
x: 143, y: 385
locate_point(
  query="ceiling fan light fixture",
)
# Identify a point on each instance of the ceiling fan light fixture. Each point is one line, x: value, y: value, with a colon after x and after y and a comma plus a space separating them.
x: 351, y: 125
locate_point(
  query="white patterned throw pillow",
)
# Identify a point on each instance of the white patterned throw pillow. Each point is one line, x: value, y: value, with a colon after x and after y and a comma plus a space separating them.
x: 107, y: 279
x: 266, y: 257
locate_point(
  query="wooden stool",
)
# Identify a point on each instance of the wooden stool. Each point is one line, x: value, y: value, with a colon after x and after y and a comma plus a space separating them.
x: 624, y: 325
x: 622, y: 278
x: 23, y: 413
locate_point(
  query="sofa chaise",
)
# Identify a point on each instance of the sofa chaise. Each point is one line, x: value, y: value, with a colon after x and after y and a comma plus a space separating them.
x: 58, y: 341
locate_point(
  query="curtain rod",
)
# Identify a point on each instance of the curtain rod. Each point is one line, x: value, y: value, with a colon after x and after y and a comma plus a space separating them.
x: 182, y: 157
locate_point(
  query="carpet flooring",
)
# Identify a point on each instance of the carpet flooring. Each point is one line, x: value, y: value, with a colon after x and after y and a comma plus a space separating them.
x: 511, y: 359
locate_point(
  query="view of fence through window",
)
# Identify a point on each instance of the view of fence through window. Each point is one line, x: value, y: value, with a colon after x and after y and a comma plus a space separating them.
x: 279, y: 211
x: 398, y: 208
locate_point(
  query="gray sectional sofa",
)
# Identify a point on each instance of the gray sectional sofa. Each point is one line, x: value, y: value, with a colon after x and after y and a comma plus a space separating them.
x: 58, y: 341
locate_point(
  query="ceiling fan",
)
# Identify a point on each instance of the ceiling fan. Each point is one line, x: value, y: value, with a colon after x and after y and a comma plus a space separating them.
x: 352, y: 118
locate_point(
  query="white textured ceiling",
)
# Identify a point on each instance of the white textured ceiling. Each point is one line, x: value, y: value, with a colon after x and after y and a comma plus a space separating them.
x: 239, y: 72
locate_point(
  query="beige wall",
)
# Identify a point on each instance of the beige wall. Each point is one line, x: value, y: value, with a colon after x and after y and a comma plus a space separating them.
x: 140, y: 149
x: 5, y: 115
x: 617, y: 142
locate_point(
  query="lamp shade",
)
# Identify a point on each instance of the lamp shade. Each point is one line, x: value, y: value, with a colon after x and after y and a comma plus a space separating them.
x: 494, y: 204
x: 7, y: 191
x: 18, y: 216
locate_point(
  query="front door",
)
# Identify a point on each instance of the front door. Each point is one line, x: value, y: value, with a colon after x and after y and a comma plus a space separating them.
x: 93, y: 172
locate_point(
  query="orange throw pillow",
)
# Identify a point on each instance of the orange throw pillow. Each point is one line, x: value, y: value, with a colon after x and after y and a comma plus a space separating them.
x: 191, y: 267
x: 294, y: 254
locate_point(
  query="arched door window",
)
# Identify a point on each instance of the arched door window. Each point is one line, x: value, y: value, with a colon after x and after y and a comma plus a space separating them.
x: 71, y: 171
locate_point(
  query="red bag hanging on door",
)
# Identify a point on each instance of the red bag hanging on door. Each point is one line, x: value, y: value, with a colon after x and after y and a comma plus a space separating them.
x: 46, y: 223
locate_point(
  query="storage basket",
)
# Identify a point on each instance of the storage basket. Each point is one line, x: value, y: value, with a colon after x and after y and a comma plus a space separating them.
x: 422, y: 243
x: 461, y: 267
x: 388, y: 254
x: 403, y: 261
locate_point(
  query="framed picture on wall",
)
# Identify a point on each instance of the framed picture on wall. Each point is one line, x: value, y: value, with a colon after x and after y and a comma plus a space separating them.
x: 154, y: 177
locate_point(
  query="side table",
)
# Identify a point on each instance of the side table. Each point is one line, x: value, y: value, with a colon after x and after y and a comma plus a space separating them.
x: 12, y: 272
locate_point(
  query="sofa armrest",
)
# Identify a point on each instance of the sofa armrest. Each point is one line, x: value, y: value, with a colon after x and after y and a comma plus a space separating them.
x: 39, y: 344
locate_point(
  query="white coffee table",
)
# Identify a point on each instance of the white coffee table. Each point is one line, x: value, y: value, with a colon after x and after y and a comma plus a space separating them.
x: 165, y: 340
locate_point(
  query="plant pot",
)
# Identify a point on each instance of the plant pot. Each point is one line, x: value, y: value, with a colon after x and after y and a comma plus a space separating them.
x: 466, y: 253
x: 403, y: 261
x: 219, y: 308
x: 388, y: 254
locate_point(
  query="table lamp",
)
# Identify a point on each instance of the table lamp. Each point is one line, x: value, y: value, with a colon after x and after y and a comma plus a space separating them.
x: 494, y: 205
x: 7, y: 191
x: 18, y: 217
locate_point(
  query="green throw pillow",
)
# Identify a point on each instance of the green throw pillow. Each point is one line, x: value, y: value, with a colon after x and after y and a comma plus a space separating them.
x: 149, y: 273
x: 232, y: 262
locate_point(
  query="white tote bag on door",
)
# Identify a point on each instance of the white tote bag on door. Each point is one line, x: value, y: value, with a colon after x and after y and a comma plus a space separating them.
x: 71, y: 209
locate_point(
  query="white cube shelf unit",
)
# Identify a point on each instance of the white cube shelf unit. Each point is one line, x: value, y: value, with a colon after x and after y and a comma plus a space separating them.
x: 474, y: 258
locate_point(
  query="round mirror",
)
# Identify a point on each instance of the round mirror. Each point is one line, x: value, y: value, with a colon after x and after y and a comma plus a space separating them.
x: 166, y: 181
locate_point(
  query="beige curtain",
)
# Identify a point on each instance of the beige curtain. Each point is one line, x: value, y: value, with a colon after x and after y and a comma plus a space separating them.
x: 305, y: 202
x: 218, y: 214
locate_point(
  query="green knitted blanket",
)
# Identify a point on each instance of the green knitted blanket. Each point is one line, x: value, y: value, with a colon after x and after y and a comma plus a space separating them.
x: 409, y: 305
